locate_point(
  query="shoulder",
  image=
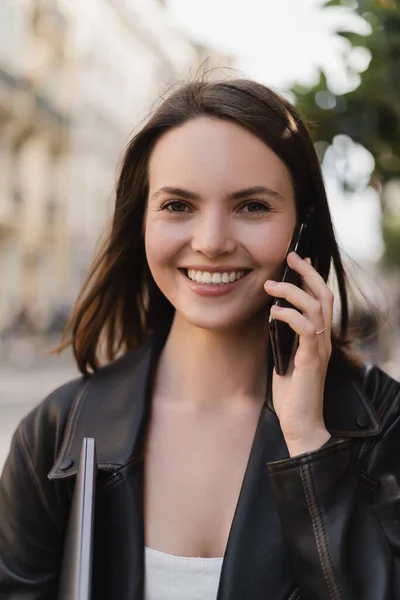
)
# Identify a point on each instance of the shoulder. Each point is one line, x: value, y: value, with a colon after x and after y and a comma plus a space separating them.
x: 381, y: 390
x: 357, y: 397
x: 368, y: 380
x: 39, y: 435
x: 41, y: 432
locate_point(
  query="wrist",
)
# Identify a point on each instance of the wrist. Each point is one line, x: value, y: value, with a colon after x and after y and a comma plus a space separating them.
x: 307, y: 443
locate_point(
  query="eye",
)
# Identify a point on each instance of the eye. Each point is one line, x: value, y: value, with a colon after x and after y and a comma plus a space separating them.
x: 175, y: 206
x: 255, y: 206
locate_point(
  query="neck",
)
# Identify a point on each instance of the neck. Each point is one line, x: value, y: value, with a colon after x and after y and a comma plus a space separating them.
x: 205, y: 367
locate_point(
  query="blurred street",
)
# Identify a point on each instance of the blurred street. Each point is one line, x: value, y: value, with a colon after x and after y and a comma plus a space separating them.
x: 22, y: 387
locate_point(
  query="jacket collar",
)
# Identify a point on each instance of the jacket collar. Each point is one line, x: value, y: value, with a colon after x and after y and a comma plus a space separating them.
x: 114, y: 404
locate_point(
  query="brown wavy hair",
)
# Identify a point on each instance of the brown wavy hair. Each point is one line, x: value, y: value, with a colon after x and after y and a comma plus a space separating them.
x: 120, y: 305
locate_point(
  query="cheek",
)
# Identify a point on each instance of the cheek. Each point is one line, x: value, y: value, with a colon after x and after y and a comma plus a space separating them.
x: 162, y: 244
x: 269, y: 247
x: 153, y: 248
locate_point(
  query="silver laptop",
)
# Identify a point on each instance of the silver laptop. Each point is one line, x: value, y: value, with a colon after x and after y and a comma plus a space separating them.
x: 76, y: 574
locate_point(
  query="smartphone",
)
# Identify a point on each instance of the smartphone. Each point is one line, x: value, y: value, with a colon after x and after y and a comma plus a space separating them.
x: 283, y: 337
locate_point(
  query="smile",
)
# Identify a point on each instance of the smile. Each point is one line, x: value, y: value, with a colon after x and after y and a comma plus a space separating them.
x: 213, y: 284
x: 222, y: 278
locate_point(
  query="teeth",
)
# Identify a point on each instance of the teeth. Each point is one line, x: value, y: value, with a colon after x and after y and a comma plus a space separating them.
x: 225, y: 278
x: 214, y: 278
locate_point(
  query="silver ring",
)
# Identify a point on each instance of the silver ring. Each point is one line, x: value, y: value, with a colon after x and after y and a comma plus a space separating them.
x: 322, y: 331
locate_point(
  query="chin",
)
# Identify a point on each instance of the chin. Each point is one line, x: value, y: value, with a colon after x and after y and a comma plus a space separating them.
x: 222, y: 323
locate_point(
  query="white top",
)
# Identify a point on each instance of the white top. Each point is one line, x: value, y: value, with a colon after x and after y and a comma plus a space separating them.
x: 169, y: 577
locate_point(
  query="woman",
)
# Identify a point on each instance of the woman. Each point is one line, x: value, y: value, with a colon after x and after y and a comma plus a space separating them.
x: 218, y: 478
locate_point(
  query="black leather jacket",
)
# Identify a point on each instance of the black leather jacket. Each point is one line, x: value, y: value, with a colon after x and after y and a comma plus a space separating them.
x: 321, y: 526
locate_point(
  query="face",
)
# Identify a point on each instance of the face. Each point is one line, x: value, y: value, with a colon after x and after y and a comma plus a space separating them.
x: 221, y: 207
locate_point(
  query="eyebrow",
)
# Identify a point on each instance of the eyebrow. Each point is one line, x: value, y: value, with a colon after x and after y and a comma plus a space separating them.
x: 243, y: 193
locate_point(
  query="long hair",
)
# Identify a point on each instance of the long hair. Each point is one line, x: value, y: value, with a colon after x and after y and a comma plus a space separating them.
x: 120, y: 305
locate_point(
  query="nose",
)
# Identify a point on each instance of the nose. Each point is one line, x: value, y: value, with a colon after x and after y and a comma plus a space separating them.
x: 212, y: 235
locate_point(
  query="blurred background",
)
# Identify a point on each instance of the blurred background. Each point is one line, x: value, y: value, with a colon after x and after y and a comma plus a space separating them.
x: 77, y: 77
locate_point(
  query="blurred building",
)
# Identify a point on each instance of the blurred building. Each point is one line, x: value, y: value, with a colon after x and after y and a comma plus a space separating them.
x: 124, y: 52
x: 34, y: 123
x: 76, y: 78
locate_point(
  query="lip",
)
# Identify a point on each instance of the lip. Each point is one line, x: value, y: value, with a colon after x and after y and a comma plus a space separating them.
x: 202, y: 289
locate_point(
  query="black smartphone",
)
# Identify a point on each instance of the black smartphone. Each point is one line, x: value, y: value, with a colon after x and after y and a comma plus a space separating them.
x: 282, y: 336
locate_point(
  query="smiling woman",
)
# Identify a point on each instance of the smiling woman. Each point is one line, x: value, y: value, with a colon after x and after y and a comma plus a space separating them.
x: 207, y: 142
x: 218, y: 478
x: 220, y: 223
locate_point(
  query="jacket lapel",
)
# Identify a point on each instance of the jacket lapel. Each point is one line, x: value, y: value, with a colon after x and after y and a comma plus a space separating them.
x: 112, y: 408
x: 256, y: 564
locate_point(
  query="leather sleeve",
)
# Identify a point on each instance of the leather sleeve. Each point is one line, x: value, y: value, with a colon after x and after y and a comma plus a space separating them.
x: 27, y: 559
x: 341, y: 518
x: 34, y: 510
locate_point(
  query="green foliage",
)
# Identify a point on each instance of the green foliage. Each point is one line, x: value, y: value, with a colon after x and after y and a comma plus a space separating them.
x: 370, y: 114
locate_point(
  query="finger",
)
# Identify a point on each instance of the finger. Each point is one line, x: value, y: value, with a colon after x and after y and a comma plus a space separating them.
x: 313, y: 280
x: 303, y: 283
x: 302, y: 326
x: 310, y: 276
x: 307, y: 289
x: 299, y: 298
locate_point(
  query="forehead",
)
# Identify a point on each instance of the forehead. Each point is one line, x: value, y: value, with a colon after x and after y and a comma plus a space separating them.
x: 211, y: 154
